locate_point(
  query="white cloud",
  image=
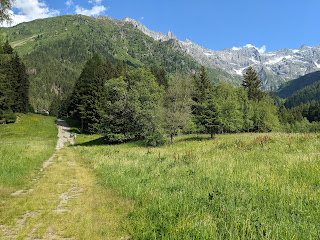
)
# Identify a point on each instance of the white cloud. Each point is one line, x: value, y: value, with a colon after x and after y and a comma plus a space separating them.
x: 96, y: 10
x: 28, y: 10
x: 260, y: 50
x: 96, y: 2
x: 69, y: 3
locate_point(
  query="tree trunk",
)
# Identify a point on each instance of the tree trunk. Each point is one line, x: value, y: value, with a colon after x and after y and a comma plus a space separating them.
x: 212, y: 133
x: 81, y: 124
x: 171, y: 138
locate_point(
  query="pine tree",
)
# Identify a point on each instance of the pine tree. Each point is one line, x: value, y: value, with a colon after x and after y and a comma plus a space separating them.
x: 205, y: 107
x: 7, y: 49
x: 87, y: 96
x: 252, y: 84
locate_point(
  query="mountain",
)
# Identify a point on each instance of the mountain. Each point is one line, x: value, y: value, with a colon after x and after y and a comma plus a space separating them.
x: 289, y: 88
x: 54, y: 51
x: 307, y: 94
x: 274, y: 68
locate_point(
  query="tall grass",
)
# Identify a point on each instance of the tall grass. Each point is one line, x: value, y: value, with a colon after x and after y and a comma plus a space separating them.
x: 24, y: 146
x: 241, y: 186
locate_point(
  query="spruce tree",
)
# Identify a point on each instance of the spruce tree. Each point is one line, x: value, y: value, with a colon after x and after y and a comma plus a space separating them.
x: 251, y: 83
x: 7, y: 49
x: 205, y: 107
x: 87, y: 95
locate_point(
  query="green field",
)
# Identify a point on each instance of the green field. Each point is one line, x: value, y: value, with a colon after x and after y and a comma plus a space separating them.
x: 24, y: 146
x: 238, y: 186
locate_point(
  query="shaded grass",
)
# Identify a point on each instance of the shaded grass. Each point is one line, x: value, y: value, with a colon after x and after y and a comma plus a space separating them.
x: 24, y: 146
x: 237, y: 186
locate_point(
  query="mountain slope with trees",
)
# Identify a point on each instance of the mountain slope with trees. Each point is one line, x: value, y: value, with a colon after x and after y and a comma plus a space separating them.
x: 291, y: 87
x: 56, y: 49
x: 307, y: 94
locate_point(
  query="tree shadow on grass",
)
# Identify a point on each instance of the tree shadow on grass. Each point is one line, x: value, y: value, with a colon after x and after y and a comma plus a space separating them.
x: 96, y: 142
x: 194, y: 138
x: 103, y: 142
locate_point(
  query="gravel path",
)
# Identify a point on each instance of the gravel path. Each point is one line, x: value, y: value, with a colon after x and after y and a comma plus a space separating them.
x: 64, y: 201
x: 63, y: 134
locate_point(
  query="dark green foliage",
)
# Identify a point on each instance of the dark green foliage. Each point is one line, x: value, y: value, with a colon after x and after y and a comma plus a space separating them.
x: 205, y: 107
x: 14, y: 84
x: 252, y: 84
x: 87, y: 96
x: 161, y: 76
x: 118, y: 102
x: 6, y: 48
x: 304, y: 95
x: 293, y: 86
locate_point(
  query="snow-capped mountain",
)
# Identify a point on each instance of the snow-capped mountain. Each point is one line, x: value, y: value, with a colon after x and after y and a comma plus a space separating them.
x: 274, y: 68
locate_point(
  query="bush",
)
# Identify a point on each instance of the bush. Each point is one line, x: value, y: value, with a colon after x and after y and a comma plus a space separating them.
x: 8, y: 117
x: 154, y: 139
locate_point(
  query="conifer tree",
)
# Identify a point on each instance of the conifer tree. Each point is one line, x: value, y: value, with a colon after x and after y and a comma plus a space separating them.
x: 87, y: 95
x: 205, y: 107
x: 7, y: 49
x: 252, y: 84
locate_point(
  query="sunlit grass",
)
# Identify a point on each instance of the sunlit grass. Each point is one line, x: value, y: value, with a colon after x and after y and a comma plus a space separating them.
x: 24, y: 146
x: 93, y: 213
x: 237, y: 186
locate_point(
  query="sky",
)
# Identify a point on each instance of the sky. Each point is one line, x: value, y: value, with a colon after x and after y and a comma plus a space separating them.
x: 215, y: 24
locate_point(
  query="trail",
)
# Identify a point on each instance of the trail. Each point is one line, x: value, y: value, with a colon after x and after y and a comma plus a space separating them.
x: 64, y: 201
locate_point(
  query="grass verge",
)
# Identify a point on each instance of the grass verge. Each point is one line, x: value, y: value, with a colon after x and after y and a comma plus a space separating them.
x: 24, y: 146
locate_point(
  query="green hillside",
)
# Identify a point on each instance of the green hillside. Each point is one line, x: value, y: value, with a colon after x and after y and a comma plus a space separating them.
x: 292, y: 86
x: 54, y: 51
x: 305, y: 95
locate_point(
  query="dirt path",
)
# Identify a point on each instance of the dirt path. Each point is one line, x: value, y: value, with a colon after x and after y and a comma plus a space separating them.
x: 64, y: 202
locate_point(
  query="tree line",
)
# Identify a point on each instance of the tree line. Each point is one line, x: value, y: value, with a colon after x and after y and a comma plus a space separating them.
x: 125, y: 103
x: 14, y: 84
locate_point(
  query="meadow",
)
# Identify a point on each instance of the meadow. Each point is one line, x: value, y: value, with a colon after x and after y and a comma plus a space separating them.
x: 24, y: 146
x: 237, y: 186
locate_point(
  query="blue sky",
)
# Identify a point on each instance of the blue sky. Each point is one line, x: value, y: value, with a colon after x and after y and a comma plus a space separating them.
x: 219, y: 24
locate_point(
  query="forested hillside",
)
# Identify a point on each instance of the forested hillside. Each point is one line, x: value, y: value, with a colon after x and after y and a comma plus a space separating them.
x: 291, y: 87
x: 305, y: 95
x: 55, y: 50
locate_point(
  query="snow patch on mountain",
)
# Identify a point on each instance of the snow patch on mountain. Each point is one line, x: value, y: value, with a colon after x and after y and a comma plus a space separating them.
x: 274, y: 68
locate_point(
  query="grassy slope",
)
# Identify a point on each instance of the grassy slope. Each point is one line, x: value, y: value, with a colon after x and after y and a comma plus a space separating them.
x: 24, y: 146
x: 259, y: 187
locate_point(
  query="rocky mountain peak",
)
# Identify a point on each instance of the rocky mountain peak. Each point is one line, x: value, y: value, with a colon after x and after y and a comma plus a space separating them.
x: 274, y: 68
x: 158, y: 36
